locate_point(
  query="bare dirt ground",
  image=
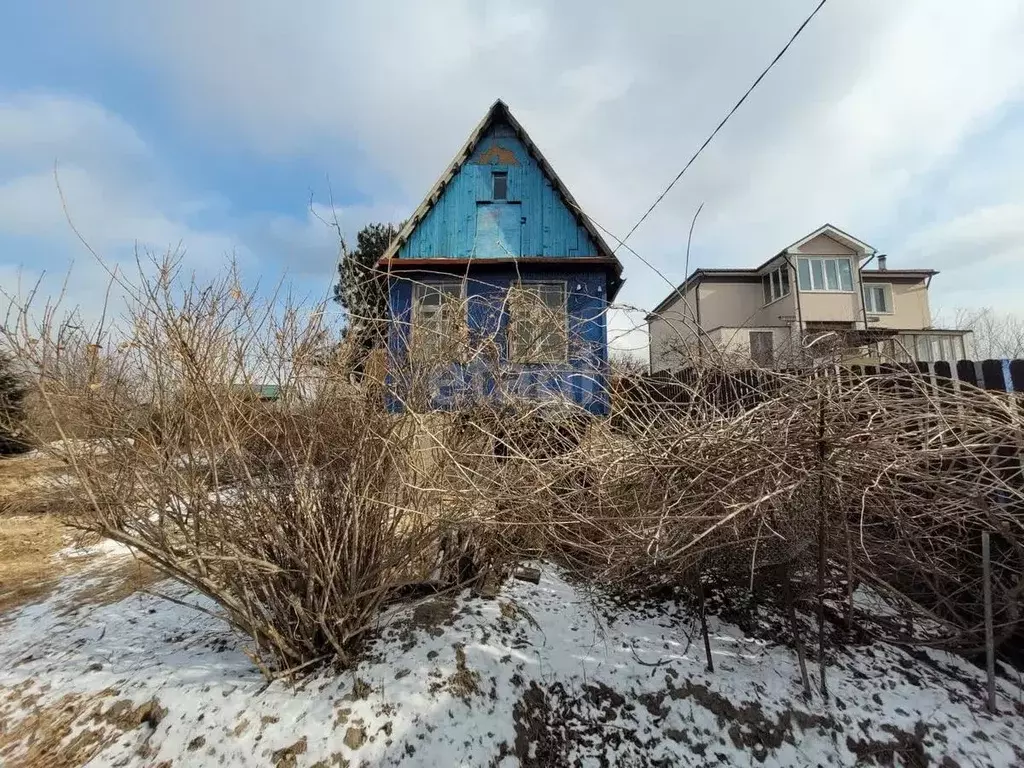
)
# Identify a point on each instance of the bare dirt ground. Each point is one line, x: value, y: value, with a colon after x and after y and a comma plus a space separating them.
x: 29, y: 537
x: 28, y: 569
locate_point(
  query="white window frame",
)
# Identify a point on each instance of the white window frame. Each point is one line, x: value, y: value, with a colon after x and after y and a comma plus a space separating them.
x: 773, y: 287
x: 823, y: 263
x: 432, y: 343
x: 869, y: 303
x: 513, y: 335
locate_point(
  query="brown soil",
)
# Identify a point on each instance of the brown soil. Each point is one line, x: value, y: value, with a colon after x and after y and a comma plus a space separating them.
x: 464, y: 682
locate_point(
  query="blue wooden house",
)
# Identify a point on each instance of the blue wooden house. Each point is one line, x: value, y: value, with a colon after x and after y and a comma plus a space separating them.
x: 498, y: 284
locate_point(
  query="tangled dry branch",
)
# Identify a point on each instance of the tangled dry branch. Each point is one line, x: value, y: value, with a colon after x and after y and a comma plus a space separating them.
x: 303, y: 512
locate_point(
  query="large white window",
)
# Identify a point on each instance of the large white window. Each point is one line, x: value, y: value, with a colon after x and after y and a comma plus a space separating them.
x: 775, y: 284
x: 878, y: 299
x: 437, y: 319
x: 538, y: 323
x: 822, y: 273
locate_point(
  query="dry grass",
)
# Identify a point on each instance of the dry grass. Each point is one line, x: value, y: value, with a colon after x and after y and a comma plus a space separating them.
x: 28, y: 569
x: 33, y: 491
x: 27, y: 483
x: 31, y: 536
x: 68, y: 732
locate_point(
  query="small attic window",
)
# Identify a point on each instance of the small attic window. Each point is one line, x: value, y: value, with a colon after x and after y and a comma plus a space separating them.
x: 499, y: 180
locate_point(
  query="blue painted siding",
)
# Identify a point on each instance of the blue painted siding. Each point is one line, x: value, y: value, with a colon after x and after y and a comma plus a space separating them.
x: 581, y: 380
x: 499, y: 231
x: 467, y: 222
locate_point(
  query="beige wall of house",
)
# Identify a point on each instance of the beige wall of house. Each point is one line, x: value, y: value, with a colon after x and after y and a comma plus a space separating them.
x: 723, y: 304
x: 830, y: 306
x: 729, y: 303
x: 671, y: 337
x: 779, y: 312
x: 733, y: 344
x: 909, y: 303
x: 823, y: 245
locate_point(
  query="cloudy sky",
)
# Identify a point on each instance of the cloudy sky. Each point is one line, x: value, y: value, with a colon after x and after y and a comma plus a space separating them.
x: 213, y: 125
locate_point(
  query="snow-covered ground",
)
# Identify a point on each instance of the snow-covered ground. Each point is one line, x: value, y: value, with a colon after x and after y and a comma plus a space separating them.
x: 544, y: 675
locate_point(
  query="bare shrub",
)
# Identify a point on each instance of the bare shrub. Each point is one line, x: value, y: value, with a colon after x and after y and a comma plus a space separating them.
x: 888, y: 479
x: 12, y: 408
x: 301, y: 517
x: 996, y: 334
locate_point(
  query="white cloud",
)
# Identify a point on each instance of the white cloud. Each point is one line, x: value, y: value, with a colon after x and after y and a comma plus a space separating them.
x: 109, y: 213
x: 36, y: 128
x: 981, y: 256
x: 113, y: 189
x: 309, y: 246
x: 872, y: 106
x: 872, y: 98
x: 115, y: 194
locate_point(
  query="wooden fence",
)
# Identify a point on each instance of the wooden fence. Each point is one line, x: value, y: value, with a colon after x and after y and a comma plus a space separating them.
x: 737, y: 390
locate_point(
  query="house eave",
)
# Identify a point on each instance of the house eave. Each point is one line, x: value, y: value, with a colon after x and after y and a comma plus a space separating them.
x: 402, y: 265
x: 918, y: 274
x: 835, y: 233
x: 449, y: 266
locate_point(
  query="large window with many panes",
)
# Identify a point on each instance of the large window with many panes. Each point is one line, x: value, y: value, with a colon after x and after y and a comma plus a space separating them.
x: 824, y: 273
x: 775, y: 284
x: 538, y: 323
x: 438, y: 319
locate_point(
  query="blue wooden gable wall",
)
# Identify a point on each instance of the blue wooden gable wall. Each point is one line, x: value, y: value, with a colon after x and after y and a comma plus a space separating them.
x: 466, y: 222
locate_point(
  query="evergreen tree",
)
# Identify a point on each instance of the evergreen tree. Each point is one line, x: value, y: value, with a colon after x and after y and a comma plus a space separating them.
x: 361, y: 290
x: 12, y: 408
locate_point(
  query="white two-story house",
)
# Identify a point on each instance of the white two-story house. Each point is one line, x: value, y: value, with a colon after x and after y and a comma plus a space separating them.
x: 825, y: 295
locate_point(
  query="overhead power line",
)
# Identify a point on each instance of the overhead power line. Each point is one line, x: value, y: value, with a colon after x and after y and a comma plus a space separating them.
x: 725, y: 119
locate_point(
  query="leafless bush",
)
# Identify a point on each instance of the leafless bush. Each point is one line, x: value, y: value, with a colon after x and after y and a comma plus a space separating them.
x: 889, y: 479
x: 303, y: 517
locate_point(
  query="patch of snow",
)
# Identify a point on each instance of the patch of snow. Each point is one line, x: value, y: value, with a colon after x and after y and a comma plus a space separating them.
x: 102, y: 548
x: 544, y: 675
x: 99, y: 446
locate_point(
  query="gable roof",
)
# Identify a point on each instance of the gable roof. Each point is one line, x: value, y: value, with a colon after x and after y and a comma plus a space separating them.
x: 836, y: 234
x: 499, y: 112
